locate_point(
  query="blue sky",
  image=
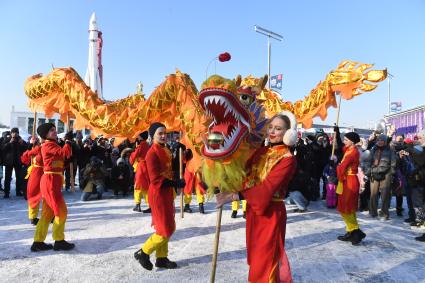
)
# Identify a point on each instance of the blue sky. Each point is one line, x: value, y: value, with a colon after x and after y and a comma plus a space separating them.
x: 146, y: 40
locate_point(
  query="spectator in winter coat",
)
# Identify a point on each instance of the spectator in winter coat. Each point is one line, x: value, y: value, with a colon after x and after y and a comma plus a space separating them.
x: 13, y: 147
x: 120, y: 177
x: 94, y: 179
x: 382, y: 168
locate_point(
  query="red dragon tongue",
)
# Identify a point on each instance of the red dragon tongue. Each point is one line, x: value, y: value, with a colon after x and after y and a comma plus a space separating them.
x: 221, y: 129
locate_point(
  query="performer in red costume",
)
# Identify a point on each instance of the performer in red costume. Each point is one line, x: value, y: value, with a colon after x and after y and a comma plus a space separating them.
x: 270, y: 170
x: 348, y: 188
x: 161, y: 197
x: 33, y: 158
x: 51, y: 184
x: 141, y: 180
x: 193, y: 182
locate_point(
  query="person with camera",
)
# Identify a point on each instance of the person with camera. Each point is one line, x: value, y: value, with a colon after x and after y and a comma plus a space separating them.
x: 13, y: 148
x: 120, y: 177
x: 94, y: 176
x: 381, y: 170
x: 51, y: 190
x: 161, y: 198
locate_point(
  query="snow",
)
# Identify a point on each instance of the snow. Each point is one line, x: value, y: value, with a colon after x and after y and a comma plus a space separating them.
x: 107, y: 233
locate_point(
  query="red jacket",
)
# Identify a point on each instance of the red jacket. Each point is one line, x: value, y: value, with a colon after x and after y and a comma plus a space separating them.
x: 141, y: 179
x: 36, y: 171
x: 161, y: 198
x: 52, y: 180
x: 271, y: 170
x: 347, y: 174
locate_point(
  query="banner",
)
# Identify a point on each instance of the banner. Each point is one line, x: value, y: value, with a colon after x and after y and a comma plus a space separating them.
x: 276, y: 81
x: 395, y: 106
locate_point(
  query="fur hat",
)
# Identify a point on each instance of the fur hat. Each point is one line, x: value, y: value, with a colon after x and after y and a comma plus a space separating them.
x: 44, y: 129
x: 154, y: 127
x: 353, y: 136
x: 291, y: 136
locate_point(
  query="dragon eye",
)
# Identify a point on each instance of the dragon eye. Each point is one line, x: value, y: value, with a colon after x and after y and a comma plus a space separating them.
x: 246, y: 99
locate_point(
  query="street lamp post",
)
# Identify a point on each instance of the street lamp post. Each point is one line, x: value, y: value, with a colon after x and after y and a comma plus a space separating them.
x: 269, y: 35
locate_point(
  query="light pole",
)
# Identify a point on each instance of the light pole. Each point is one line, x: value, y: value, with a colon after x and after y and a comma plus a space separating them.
x: 269, y: 35
x: 389, y: 92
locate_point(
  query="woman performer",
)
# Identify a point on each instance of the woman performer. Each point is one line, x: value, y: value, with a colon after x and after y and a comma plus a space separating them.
x: 33, y: 158
x: 348, y: 188
x: 51, y: 184
x: 141, y: 180
x: 161, y: 197
x: 270, y: 170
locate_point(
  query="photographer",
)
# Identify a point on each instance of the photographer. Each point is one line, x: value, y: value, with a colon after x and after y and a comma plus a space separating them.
x: 13, y: 148
x: 94, y: 179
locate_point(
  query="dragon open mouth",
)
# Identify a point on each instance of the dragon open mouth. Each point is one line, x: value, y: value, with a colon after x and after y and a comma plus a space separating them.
x: 230, y: 122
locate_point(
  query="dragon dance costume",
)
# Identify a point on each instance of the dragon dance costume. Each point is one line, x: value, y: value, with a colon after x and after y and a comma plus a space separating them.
x: 348, y: 190
x: 141, y: 180
x: 271, y: 169
x: 50, y: 185
x: 33, y: 158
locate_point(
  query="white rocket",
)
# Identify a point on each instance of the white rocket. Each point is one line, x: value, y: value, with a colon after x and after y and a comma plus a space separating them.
x: 94, y: 69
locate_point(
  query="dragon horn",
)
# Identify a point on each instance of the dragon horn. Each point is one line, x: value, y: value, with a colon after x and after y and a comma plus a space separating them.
x: 263, y: 81
x: 238, y: 80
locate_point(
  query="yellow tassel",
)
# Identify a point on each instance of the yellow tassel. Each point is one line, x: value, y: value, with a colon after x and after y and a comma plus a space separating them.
x: 339, y: 188
x: 29, y: 171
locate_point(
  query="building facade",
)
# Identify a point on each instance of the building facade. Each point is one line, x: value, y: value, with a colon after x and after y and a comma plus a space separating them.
x: 24, y: 121
x: 408, y: 122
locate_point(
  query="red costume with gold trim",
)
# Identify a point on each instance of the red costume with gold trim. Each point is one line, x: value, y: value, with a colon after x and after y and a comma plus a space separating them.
x: 52, y: 180
x: 141, y: 179
x: 35, y: 174
x: 272, y: 168
x: 347, y: 174
x: 161, y: 198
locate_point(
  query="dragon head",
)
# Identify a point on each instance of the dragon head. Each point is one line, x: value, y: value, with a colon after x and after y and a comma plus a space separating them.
x: 235, y: 112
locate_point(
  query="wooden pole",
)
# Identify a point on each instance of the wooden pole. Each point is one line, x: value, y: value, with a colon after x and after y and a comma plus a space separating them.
x: 71, y: 164
x: 34, y: 125
x: 216, y: 242
x: 181, y: 177
x: 337, y: 123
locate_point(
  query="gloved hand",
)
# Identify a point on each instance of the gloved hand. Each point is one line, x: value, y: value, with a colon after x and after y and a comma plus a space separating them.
x: 69, y: 136
x: 168, y: 183
x: 336, y: 129
x: 180, y: 183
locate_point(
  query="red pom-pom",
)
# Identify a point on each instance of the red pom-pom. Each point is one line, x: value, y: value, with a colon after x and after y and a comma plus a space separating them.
x: 223, y: 57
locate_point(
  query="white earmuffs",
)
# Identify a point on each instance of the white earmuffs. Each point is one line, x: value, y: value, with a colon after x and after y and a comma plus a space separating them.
x: 291, y: 136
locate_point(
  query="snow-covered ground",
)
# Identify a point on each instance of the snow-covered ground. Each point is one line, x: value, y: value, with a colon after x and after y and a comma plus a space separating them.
x: 107, y: 233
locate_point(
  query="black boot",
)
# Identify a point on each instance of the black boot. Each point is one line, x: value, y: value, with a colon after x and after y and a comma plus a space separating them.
x: 234, y: 213
x: 34, y: 221
x: 6, y: 195
x: 420, y: 238
x: 63, y: 246
x: 244, y: 215
x: 409, y: 220
x: 40, y: 246
x: 137, y: 208
x: 147, y: 210
x: 357, y: 237
x: 347, y: 237
x: 164, y: 262
x: 143, y: 259
x: 187, y: 208
x: 201, y: 208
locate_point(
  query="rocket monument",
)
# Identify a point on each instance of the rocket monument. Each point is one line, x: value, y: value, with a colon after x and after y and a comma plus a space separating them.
x: 94, y: 74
